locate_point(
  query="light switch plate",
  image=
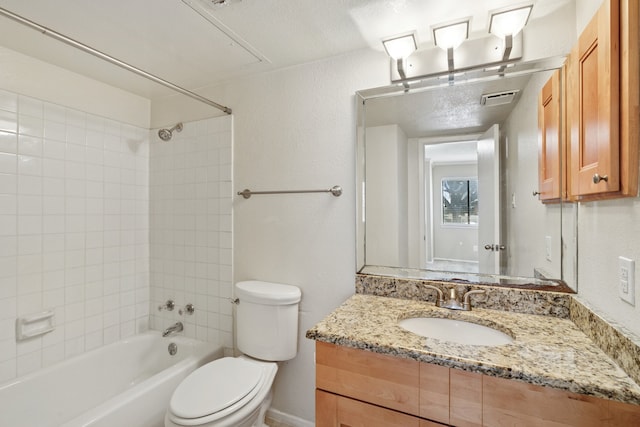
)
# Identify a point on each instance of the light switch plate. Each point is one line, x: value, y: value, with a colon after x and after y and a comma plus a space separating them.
x: 626, y: 280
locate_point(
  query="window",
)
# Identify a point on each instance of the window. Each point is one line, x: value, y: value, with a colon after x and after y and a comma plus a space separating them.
x: 460, y: 201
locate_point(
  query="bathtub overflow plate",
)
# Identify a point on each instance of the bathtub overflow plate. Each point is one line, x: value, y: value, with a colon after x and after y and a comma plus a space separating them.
x: 173, y: 348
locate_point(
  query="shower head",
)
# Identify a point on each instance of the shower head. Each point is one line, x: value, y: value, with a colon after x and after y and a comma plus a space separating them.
x: 166, y: 134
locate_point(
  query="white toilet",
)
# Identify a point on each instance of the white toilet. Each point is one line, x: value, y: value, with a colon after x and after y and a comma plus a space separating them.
x: 236, y: 391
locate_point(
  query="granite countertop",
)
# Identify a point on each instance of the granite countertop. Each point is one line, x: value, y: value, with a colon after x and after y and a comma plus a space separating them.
x: 546, y: 350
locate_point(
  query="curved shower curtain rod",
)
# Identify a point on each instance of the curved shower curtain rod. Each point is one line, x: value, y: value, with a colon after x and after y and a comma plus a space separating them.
x: 71, y: 42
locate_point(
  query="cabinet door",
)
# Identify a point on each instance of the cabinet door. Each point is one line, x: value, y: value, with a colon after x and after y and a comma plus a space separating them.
x: 550, y: 141
x: 465, y: 398
x: 338, y: 411
x: 434, y: 392
x: 594, y: 104
x: 371, y: 377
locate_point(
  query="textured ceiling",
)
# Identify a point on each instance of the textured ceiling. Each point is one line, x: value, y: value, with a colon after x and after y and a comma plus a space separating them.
x: 193, y: 43
x: 445, y: 110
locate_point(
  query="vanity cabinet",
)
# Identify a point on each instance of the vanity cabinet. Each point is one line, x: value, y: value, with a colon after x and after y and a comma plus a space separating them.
x: 602, y: 105
x: 361, y: 388
x: 551, y: 182
x: 593, y: 105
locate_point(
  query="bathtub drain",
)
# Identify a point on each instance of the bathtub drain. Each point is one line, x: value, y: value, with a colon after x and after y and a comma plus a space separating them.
x: 173, y: 348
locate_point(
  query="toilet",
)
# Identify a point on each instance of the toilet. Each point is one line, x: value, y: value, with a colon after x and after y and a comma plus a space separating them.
x: 237, y: 391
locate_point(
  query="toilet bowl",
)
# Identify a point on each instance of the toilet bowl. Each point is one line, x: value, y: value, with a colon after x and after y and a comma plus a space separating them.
x: 237, y: 391
x: 226, y: 392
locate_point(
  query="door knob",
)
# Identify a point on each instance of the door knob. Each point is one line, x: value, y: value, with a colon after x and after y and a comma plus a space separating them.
x: 495, y: 247
x: 597, y: 178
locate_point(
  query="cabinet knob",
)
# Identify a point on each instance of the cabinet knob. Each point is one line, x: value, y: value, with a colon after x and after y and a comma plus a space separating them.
x: 597, y: 178
x: 536, y: 193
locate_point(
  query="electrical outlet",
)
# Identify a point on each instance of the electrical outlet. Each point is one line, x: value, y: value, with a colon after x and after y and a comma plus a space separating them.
x: 626, y: 280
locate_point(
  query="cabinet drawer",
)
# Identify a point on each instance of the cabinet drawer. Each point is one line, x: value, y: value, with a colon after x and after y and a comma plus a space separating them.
x: 338, y: 411
x: 382, y: 380
x: 508, y: 401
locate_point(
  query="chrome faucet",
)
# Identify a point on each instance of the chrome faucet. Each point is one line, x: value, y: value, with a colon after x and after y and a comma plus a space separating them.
x: 173, y: 329
x: 454, y: 302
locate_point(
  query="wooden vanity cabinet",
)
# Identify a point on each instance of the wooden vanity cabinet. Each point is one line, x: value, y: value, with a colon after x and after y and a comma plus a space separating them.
x: 552, y: 184
x: 357, y: 388
x: 602, y: 105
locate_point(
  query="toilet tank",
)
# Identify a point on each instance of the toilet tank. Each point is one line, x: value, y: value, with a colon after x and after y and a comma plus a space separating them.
x: 267, y: 320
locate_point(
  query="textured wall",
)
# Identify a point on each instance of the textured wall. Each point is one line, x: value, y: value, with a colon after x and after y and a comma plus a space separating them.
x: 295, y: 129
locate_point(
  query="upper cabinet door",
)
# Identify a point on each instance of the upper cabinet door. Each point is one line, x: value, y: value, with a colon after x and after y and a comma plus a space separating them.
x: 550, y: 144
x: 594, y: 105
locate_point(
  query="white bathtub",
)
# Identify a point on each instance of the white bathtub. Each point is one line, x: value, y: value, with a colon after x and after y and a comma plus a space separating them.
x: 127, y: 383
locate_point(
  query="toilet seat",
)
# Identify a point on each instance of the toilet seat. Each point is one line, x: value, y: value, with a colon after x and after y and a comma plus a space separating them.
x: 216, y: 390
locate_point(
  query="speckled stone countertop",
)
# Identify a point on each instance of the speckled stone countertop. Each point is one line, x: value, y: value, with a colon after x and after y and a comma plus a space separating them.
x: 546, y: 350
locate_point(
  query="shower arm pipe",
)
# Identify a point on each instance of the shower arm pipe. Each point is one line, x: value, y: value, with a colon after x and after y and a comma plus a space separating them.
x: 88, y: 49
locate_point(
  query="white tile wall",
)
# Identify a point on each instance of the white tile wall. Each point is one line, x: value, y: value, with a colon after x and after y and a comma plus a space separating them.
x: 190, y: 228
x: 74, y: 225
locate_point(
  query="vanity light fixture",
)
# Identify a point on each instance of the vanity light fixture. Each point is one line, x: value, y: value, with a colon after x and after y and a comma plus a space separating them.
x: 449, y: 37
x: 399, y: 48
x: 492, y: 53
x: 507, y: 23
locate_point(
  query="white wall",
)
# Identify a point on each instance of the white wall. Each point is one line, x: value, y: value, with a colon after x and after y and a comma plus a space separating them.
x: 73, y: 228
x: 30, y: 77
x: 529, y: 216
x: 190, y: 228
x: 606, y: 231
x: 386, y: 192
x: 295, y: 129
x: 75, y: 214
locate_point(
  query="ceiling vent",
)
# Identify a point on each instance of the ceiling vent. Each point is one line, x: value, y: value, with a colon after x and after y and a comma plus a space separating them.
x: 498, y: 98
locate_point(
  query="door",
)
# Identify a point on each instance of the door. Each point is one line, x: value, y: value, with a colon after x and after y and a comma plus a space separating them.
x: 490, y: 247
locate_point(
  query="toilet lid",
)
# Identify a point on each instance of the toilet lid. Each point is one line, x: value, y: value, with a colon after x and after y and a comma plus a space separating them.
x: 214, y: 387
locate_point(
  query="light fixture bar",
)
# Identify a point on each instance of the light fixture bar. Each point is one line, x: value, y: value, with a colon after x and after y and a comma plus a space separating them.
x: 474, y: 54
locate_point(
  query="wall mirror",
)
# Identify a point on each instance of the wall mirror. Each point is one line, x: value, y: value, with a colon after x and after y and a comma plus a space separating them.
x: 448, y: 179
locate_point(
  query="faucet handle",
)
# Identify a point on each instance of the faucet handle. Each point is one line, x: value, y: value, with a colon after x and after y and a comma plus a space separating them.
x: 467, y: 303
x: 169, y: 305
x: 440, y: 298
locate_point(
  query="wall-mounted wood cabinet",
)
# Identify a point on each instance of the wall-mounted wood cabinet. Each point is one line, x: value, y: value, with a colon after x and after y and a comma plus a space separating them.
x: 357, y: 388
x: 602, y: 112
x: 552, y: 183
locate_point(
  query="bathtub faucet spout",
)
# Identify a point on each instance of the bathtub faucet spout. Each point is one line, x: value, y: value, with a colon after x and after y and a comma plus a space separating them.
x: 178, y: 327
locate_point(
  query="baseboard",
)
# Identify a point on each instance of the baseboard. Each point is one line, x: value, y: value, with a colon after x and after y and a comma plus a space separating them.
x: 276, y: 418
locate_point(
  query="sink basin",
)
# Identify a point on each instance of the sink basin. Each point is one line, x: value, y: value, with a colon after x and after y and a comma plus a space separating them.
x: 457, y: 331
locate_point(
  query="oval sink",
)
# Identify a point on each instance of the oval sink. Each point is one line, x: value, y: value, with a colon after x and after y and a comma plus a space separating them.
x: 457, y: 331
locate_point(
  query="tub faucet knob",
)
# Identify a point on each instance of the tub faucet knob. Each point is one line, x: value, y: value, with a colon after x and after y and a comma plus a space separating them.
x: 188, y: 309
x: 169, y: 305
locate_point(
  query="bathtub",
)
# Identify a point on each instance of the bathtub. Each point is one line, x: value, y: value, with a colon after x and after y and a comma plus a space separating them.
x: 127, y: 383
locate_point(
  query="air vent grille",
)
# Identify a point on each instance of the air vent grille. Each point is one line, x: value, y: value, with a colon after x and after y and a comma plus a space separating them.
x: 498, y: 98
